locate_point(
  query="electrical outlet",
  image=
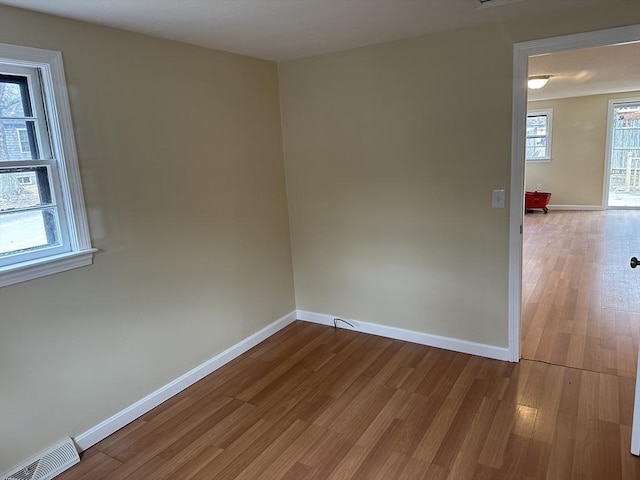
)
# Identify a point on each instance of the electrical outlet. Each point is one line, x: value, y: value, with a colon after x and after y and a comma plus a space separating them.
x: 539, y: 187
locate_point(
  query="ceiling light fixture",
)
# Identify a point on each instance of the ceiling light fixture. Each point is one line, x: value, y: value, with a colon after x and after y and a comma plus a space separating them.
x: 538, y: 81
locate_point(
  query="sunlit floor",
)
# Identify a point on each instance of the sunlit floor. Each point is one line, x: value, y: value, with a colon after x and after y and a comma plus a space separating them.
x: 624, y: 199
x: 581, y: 306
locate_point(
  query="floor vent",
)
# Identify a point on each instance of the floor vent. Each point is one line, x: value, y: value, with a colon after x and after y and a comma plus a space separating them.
x: 49, y: 464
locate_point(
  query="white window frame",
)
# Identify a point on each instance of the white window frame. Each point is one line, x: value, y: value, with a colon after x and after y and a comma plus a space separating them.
x: 548, y: 112
x: 78, y: 251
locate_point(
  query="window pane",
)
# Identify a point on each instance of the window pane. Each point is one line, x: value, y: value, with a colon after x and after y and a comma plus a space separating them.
x: 18, y: 140
x: 537, y: 142
x: 536, y: 147
x: 24, y: 188
x: 535, y: 152
x: 536, y: 120
x: 627, y: 116
x: 24, y: 231
x: 537, y: 125
x: 536, y: 130
x: 14, y: 99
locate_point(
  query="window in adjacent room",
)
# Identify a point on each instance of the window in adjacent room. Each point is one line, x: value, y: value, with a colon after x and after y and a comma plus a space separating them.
x: 539, y: 128
x: 23, y: 140
x: 43, y: 225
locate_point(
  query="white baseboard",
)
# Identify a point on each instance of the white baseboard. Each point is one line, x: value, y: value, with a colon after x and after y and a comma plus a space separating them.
x: 122, y: 418
x: 575, y: 207
x: 455, y: 344
x: 129, y: 414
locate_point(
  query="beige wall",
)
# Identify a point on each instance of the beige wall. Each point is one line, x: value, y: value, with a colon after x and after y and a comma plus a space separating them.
x: 181, y: 159
x: 391, y: 153
x: 574, y: 176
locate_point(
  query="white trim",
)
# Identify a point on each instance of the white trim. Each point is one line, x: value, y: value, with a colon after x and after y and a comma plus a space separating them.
x: 635, y: 425
x: 575, y: 207
x: 521, y: 53
x: 516, y: 212
x: 607, y: 163
x: 455, y: 344
x: 45, y: 266
x: 541, y: 160
x: 607, y: 158
x: 65, y: 147
x: 129, y: 414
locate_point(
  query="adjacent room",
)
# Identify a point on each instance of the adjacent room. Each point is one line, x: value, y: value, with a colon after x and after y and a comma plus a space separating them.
x: 270, y: 245
x: 583, y: 149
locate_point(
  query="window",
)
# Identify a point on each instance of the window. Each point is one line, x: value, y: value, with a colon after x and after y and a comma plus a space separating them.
x: 624, y: 153
x: 539, y: 128
x: 43, y: 225
x: 23, y: 140
x: 26, y: 180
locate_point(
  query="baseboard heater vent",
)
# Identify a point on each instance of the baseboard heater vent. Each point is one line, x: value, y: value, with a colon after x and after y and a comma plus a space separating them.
x: 47, y: 465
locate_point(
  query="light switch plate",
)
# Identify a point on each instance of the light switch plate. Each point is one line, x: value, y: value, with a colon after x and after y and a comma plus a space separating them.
x: 497, y: 198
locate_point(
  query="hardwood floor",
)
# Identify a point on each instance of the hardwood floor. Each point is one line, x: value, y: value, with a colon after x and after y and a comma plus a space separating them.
x: 581, y: 299
x: 313, y: 402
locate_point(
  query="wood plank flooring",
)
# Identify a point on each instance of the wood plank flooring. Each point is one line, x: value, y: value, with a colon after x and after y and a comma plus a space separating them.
x: 581, y: 299
x: 313, y: 402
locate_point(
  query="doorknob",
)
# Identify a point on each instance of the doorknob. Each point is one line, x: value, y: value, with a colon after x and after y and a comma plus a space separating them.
x: 634, y: 262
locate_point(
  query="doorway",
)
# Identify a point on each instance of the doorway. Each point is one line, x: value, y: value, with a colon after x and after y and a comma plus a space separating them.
x: 622, y: 185
x: 574, y: 314
x: 522, y: 52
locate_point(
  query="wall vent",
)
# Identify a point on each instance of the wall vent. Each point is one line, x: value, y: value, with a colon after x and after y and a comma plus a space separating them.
x: 48, y: 464
x: 496, y: 3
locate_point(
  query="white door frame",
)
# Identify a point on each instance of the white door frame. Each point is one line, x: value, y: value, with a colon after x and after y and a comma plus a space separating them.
x: 521, y: 53
x: 607, y: 163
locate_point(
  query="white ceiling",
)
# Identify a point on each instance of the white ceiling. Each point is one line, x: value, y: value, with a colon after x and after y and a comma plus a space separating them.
x: 588, y: 71
x: 289, y: 29
x: 282, y: 30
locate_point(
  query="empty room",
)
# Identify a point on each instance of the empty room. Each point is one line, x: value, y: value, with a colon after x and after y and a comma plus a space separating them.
x: 287, y: 240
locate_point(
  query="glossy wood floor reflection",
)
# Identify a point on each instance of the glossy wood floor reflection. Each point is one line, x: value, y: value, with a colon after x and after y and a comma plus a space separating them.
x: 581, y: 299
x: 313, y: 402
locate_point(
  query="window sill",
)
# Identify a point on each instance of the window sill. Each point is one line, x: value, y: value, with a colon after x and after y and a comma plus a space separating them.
x: 45, y: 266
x: 537, y: 160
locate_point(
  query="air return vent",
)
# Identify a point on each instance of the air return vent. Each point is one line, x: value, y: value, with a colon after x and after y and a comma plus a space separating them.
x: 47, y: 465
x: 496, y: 3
